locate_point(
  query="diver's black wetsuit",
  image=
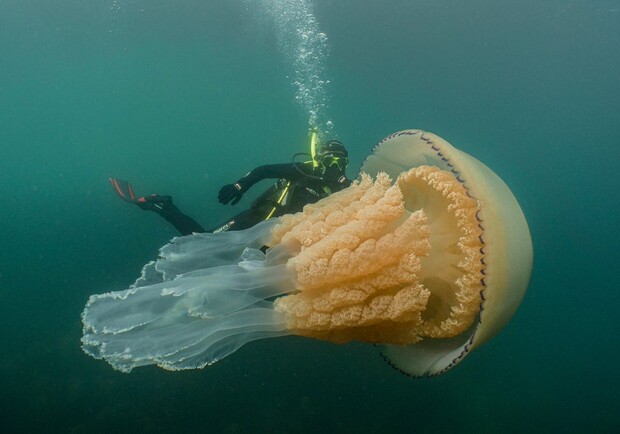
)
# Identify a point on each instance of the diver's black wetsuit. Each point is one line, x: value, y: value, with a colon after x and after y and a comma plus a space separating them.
x: 182, y: 222
x: 298, y: 184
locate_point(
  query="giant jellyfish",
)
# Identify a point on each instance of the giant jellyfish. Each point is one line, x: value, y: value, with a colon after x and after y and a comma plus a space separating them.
x: 428, y: 254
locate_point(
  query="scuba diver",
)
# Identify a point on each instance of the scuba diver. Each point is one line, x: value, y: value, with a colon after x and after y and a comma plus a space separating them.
x: 298, y: 184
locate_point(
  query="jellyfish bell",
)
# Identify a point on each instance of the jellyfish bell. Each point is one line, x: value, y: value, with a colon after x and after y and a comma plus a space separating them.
x: 428, y: 253
x: 506, y: 245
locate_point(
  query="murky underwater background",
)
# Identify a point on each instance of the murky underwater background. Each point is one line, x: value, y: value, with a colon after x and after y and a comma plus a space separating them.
x: 181, y: 97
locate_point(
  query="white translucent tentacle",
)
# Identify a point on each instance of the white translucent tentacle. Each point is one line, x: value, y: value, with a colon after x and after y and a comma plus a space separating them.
x: 206, y: 296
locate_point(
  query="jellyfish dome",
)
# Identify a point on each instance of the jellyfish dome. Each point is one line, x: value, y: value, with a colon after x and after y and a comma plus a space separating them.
x: 427, y: 253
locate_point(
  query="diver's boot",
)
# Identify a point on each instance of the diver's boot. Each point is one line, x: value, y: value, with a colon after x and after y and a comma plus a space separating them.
x: 154, y: 202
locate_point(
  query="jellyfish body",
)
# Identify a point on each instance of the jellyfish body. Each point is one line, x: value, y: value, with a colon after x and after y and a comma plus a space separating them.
x: 427, y: 253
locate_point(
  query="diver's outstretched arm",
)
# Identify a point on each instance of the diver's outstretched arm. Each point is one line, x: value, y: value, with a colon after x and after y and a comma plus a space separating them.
x: 234, y: 192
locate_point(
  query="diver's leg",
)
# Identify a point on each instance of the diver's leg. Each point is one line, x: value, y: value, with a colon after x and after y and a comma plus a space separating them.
x: 182, y: 222
x: 162, y: 205
x: 243, y: 220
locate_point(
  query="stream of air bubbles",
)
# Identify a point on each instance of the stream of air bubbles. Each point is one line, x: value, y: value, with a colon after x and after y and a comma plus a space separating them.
x: 305, y: 49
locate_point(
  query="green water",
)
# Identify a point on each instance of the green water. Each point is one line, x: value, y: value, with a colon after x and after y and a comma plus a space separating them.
x: 181, y: 97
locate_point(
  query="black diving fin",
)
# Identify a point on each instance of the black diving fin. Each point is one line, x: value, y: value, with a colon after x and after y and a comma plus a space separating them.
x: 124, y: 190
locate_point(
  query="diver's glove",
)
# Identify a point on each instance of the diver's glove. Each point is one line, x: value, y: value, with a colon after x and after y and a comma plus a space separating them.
x: 230, y: 192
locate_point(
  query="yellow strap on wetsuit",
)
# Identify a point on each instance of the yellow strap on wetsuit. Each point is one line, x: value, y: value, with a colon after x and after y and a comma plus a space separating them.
x: 313, y: 138
x: 280, y: 199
